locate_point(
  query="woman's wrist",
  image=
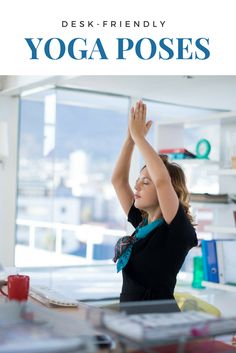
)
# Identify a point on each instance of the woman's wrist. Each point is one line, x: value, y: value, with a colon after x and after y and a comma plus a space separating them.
x: 129, y: 140
x: 138, y: 138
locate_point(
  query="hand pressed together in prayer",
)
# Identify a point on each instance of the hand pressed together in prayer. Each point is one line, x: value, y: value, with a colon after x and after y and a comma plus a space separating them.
x: 138, y: 127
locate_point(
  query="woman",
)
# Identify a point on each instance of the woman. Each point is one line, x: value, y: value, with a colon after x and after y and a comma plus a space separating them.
x: 152, y: 256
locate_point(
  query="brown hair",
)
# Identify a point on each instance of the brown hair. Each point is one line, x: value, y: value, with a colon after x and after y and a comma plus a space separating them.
x: 178, y: 180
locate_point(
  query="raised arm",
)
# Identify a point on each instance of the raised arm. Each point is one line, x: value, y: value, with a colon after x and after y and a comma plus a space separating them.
x: 120, y: 176
x: 167, y: 197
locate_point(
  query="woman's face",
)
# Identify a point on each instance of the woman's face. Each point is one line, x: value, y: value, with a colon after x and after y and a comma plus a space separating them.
x: 145, y: 194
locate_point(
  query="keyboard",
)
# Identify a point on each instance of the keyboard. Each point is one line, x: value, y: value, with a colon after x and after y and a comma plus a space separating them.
x: 157, y: 326
x: 51, y: 297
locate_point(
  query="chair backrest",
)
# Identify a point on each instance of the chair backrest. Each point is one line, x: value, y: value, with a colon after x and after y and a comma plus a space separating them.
x: 187, y: 301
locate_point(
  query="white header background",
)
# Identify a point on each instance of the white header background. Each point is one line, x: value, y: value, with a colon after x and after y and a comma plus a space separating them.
x: 215, y: 20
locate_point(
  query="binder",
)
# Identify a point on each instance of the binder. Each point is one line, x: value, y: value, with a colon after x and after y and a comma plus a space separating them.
x: 220, y: 260
x: 210, y: 264
x: 183, y: 151
x: 225, y: 260
x: 229, y: 260
x: 179, y: 155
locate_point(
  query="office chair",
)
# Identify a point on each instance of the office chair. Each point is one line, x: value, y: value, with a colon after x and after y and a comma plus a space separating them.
x: 187, y: 301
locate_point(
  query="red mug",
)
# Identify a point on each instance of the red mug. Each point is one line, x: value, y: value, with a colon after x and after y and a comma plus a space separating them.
x: 17, y: 287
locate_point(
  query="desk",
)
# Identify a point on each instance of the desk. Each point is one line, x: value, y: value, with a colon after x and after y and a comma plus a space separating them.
x: 96, y: 282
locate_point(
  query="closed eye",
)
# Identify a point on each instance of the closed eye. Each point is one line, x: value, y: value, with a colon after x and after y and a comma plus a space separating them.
x: 143, y: 181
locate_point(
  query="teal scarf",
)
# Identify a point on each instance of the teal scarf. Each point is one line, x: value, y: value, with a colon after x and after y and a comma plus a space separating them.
x: 125, y: 244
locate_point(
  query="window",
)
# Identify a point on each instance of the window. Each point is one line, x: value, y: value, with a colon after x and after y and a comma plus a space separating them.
x: 67, y: 210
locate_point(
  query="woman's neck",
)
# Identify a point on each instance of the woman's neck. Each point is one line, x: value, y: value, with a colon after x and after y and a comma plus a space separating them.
x: 154, y: 215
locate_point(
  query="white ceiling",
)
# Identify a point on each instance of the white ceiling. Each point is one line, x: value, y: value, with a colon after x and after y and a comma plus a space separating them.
x: 213, y: 92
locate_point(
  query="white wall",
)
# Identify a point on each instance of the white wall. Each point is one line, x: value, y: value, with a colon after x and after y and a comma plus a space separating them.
x: 9, y: 111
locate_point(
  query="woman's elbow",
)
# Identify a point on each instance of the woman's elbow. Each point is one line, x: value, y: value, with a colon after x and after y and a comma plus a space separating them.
x: 162, y: 180
x: 114, y: 180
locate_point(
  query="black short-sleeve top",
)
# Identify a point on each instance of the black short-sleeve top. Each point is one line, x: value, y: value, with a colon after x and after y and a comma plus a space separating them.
x: 155, y: 260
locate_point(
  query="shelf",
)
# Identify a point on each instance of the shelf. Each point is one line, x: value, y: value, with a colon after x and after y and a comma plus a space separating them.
x: 218, y: 229
x: 227, y: 171
x: 197, y: 204
x: 196, y: 161
x: 221, y: 286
